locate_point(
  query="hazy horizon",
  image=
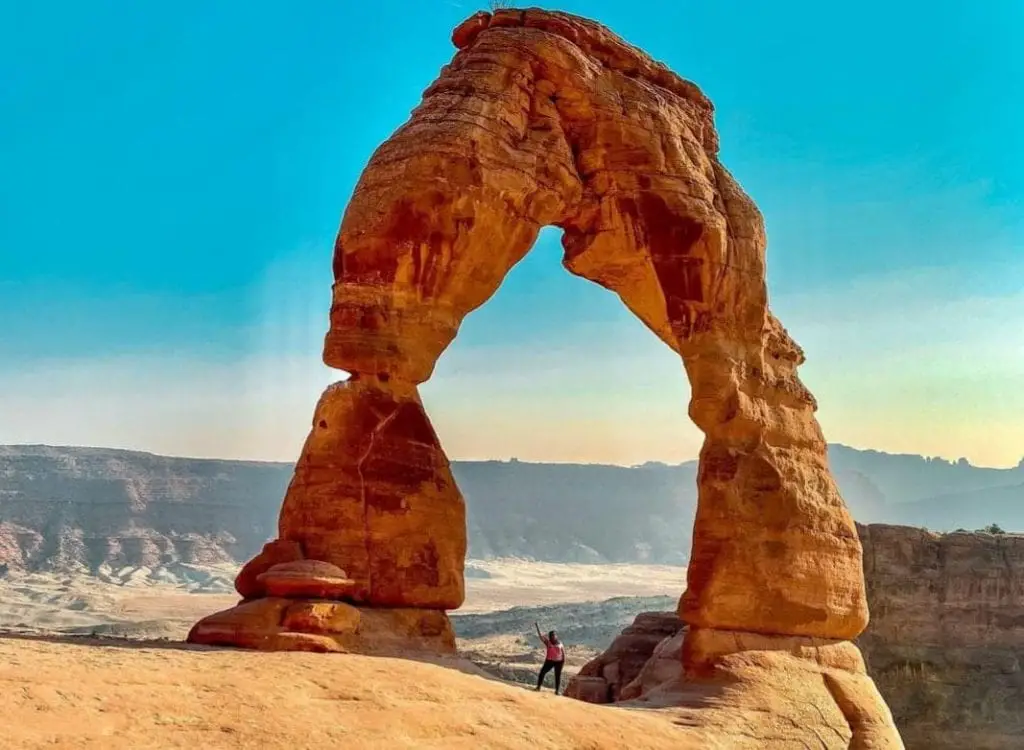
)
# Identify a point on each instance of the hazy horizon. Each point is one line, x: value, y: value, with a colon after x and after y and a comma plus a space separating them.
x: 176, y: 175
x: 486, y: 459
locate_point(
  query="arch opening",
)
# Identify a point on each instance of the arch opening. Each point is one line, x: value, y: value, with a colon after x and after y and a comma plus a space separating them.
x: 553, y: 371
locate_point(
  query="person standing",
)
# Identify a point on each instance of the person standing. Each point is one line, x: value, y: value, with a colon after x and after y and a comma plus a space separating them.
x: 554, y: 658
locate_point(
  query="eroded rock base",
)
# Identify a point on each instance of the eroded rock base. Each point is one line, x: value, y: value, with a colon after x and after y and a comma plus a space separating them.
x: 772, y: 699
x: 746, y: 689
x: 319, y: 625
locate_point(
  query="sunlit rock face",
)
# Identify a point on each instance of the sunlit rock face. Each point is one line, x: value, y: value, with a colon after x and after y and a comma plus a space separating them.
x: 546, y: 119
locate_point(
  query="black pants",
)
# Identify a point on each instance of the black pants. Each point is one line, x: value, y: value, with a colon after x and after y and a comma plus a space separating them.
x: 548, y: 666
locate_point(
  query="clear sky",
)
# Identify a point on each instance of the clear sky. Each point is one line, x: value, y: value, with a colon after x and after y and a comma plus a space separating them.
x: 173, y: 175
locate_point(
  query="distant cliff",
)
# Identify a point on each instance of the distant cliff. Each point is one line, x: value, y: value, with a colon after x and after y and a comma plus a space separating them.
x: 944, y: 645
x: 84, y: 508
x: 65, y: 508
x: 946, y: 638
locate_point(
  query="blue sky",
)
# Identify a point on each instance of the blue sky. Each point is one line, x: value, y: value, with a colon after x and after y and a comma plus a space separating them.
x: 174, y: 175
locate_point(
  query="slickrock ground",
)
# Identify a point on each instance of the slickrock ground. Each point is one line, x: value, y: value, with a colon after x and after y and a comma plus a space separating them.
x: 112, y: 696
x: 93, y: 694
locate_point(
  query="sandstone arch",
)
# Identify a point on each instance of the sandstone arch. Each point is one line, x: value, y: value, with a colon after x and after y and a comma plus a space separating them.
x: 547, y: 119
x: 528, y: 128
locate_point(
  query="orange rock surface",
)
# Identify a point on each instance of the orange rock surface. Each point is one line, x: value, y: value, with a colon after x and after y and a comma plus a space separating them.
x: 116, y: 695
x: 546, y: 119
x: 944, y: 643
x: 374, y: 495
x: 779, y: 691
x: 307, y: 578
x: 247, y: 582
x: 278, y: 624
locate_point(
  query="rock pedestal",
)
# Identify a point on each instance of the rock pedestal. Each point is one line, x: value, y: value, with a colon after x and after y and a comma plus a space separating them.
x: 546, y: 119
x: 372, y: 519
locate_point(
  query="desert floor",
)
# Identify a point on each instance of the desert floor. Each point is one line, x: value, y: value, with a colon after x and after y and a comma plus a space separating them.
x: 61, y: 687
x: 85, y: 694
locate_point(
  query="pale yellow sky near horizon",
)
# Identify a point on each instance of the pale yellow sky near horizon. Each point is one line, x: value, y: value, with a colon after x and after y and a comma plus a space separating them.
x: 896, y: 363
x: 882, y: 382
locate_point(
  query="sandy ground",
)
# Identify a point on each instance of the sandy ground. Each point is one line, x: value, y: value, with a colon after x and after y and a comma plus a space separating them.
x: 516, y: 583
x: 87, y: 694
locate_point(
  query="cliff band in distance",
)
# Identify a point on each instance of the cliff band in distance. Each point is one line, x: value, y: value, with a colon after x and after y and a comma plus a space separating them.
x: 546, y: 119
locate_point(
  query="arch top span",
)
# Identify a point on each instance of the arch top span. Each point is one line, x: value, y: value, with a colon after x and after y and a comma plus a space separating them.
x: 592, y: 38
x: 541, y: 119
x: 546, y: 119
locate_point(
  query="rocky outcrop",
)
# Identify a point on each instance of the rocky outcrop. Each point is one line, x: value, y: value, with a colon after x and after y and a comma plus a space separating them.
x: 947, y: 634
x: 944, y: 644
x: 603, y: 679
x: 547, y: 119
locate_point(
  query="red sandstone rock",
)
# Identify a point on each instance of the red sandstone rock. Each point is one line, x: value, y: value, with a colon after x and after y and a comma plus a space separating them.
x: 664, y: 666
x: 277, y: 624
x: 753, y: 690
x: 527, y: 128
x: 373, y: 494
x: 247, y: 581
x: 622, y: 662
x: 467, y: 31
x: 253, y: 624
x: 546, y: 119
x: 321, y: 617
x: 944, y: 642
x: 306, y: 578
x: 589, y: 689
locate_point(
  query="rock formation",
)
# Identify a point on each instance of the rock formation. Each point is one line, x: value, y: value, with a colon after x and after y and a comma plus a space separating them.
x: 946, y: 634
x: 547, y: 119
x: 610, y: 677
x: 943, y: 645
x: 109, y: 512
x: 113, y: 513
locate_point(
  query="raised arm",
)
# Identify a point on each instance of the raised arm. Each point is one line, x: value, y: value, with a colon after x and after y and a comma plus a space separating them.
x: 540, y: 635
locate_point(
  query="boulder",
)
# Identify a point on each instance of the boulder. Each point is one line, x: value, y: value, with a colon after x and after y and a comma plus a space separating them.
x: 623, y: 661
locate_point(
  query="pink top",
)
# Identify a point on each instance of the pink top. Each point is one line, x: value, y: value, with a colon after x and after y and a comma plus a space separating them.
x: 555, y: 652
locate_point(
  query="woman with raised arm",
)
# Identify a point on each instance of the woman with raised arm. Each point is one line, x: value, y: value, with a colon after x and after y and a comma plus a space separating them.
x: 554, y: 657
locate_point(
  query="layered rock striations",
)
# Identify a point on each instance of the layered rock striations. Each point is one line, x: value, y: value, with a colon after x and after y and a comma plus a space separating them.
x: 96, y: 509
x: 612, y: 675
x: 545, y: 119
x: 946, y: 639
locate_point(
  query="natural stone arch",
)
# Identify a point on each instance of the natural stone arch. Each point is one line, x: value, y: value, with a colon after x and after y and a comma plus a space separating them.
x: 547, y: 119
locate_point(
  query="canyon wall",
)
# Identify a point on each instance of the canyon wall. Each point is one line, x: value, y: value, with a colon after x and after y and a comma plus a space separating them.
x: 68, y: 509
x: 86, y: 509
x: 946, y: 637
